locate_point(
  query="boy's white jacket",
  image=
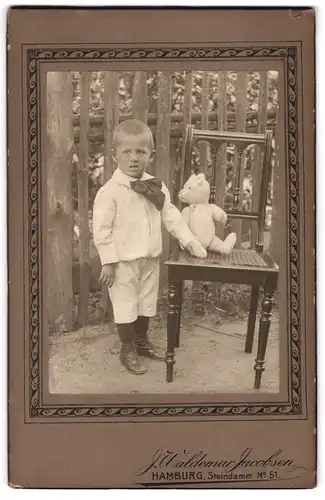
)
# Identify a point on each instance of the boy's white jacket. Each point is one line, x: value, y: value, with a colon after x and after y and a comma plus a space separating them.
x: 127, y: 226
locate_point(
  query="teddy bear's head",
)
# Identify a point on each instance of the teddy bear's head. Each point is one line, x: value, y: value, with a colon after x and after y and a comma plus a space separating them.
x: 196, y: 190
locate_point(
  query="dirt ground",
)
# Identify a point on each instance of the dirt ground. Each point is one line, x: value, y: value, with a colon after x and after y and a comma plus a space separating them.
x: 210, y: 359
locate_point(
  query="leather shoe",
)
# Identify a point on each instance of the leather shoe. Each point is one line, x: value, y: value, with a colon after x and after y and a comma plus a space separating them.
x: 147, y: 349
x: 130, y: 360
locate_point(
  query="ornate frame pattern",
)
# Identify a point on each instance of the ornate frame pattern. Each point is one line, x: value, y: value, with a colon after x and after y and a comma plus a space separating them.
x: 292, y: 408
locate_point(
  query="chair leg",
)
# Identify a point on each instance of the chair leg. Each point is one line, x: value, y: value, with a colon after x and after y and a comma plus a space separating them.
x: 171, y: 332
x: 264, y: 328
x: 252, y: 319
x: 179, y: 312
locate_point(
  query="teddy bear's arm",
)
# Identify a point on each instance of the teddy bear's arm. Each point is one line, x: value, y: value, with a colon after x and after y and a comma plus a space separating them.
x: 218, y: 214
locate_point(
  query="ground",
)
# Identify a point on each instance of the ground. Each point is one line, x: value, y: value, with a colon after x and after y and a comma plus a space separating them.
x: 210, y: 359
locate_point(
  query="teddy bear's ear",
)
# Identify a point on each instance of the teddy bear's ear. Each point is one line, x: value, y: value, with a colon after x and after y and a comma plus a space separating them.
x: 200, y: 178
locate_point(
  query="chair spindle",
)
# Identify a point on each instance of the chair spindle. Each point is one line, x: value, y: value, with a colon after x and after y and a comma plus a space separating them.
x: 237, y: 187
x: 214, y: 156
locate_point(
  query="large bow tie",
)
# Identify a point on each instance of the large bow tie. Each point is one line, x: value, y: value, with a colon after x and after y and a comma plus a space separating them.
x: 150, y: 189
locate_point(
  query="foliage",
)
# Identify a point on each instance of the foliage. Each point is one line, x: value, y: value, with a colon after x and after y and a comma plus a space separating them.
x: 178, y: 84
x: 96, y: 107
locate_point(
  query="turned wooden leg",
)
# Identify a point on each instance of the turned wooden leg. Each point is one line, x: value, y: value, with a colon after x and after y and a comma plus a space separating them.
x: 171, y: 331
x: 252, y: 319
x: 264, y: 328
x: 179, y: 312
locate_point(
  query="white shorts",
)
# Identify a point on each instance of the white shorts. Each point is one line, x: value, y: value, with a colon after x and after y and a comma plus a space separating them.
x: 135, y: 289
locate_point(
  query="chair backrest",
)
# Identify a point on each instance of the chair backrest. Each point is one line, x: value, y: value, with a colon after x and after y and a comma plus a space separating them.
x: 241, y: 141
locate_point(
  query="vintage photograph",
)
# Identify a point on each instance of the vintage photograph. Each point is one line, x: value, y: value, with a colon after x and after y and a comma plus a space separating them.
x: 162, y: 237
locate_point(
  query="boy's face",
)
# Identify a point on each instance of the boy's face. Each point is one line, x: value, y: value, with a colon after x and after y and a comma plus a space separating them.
x: 133, y: 154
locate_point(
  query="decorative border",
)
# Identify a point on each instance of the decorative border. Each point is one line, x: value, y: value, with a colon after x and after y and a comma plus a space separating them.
x: 291, y: 408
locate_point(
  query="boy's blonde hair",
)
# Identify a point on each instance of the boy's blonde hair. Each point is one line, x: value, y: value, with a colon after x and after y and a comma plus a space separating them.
x: 132, y: 127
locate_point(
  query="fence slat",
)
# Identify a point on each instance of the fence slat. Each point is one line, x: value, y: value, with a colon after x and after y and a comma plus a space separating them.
x: 221, y: 125
x: 257, y: 164
x: 220, y: 175
x: 204, y: 148
x: 175, y: 172
x: 204, y: 154
x: 241, y: 99
x: 274, y: 247
x: 174, y: 182
x: 140, y: 96
x: 187, y: 120
x: 111, y: 119
x: 187, y: 116
x: 278, y: 189
x: 60, y: 202
x: 83, y: 203
x: 163, y: 151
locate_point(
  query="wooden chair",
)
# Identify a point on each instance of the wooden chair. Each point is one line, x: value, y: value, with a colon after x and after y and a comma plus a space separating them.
x: 243, y: 266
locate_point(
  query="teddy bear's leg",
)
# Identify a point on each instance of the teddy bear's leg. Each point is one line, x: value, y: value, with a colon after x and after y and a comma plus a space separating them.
x: 224, y: 247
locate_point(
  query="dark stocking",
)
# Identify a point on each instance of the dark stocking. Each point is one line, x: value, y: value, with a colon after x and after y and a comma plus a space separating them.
x: 144, y: 347
x: 141, y: 326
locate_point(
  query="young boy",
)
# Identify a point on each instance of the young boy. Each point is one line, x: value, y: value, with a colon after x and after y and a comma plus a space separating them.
x: 127, y: 216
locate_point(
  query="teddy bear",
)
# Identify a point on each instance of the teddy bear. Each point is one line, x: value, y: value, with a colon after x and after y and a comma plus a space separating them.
x: 200, y: 215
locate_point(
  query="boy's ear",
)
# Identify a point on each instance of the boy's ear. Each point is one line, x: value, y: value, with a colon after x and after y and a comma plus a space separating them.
x: 152, y: 156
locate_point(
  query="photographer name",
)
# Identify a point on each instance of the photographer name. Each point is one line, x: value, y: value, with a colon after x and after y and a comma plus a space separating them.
x: 164, y: 461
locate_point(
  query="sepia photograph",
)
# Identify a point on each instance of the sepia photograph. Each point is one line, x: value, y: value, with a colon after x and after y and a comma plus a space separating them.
x: 161, y: 174
x: 162, y: 238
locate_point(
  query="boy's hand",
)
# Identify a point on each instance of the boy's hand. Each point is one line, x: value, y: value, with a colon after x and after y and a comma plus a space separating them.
x: 107, y: 276
x: 219, y: 215
x: 195, y: 248
x: 223, y: 218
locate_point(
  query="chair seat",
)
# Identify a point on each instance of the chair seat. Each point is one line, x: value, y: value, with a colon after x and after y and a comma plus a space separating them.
x: 239, y: 258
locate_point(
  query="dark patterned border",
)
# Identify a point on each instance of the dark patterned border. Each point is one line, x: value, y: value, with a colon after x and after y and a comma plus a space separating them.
x: 293, y: 407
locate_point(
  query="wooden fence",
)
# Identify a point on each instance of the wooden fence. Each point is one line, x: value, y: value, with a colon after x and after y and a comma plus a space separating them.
x: 84, y: 131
